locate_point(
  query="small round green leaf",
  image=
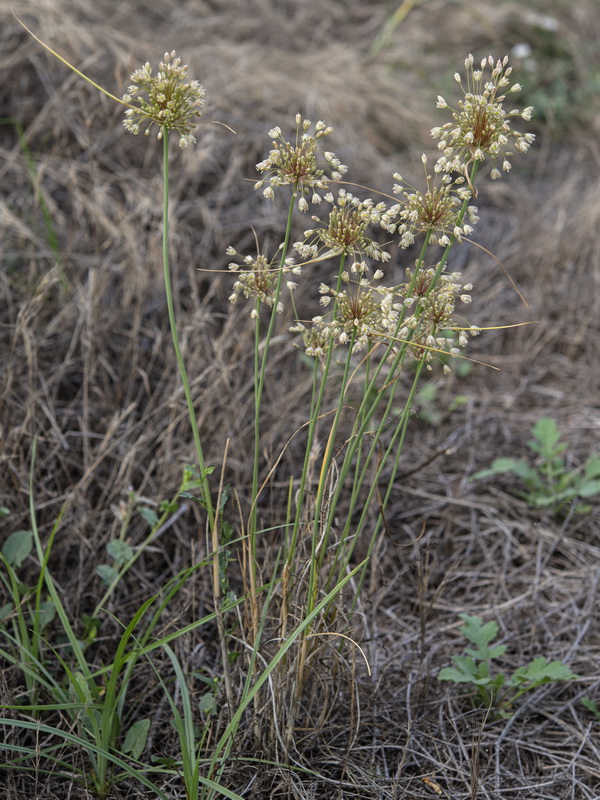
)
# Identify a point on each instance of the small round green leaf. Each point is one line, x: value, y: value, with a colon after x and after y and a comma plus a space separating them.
x: 17, y: 547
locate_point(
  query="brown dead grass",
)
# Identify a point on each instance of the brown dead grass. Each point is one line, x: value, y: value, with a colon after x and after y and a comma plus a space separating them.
x: 88, y: 369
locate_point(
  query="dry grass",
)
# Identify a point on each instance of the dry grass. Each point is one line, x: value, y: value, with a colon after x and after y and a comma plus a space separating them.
x: 88, y: 369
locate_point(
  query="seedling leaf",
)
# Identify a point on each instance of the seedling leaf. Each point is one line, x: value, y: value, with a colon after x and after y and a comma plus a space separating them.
x: 17, y: 547
x: 549, y: 484
x: 207, y: 704
x: 454, y: 675
x: 135, y: 741
x: 546, y: 435
x: 540, y: 671
x: 481, y: 635
x: 592, y: 467
x: 589, y: 489
x: 586, y: 702
x: 120, y: 551
x: 500, y: 466
x: 150, y: 515
x: 106, y: 573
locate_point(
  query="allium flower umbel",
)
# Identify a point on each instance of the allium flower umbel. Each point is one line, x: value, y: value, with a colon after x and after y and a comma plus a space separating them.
x: 482, y: 127
x: 345, y: 229
x: 436, y: 211
x: 363, y: 311
x: 431, y: 327
x: 301, y: 164
x: 165, y: 99
x: 257, y: 278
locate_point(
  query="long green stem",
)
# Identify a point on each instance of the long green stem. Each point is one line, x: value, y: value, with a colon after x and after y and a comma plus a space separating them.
x: 397, y: 442
x: 259, y: 374
x: 315, y: 410
x: 260, y: 369
x: 320, y: 534
x: 369, y: 406
x: 173, y: 325
x: 315, y: 405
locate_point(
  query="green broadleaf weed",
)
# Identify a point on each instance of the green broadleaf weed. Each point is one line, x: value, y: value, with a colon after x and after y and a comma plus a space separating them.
x: 496, y: 689
x: 549, y: 484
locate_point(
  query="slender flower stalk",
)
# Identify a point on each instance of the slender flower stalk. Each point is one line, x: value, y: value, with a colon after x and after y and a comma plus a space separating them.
x: 175, y: 337
x: 260, y: 371
x: 307, y: 169
x: 173, y: 104
x: 168, y: 100
x: 368, y: 409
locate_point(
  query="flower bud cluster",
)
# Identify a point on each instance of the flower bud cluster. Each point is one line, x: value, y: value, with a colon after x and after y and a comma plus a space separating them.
x: 437, y: 210
x: 257, y: 277
x: 345, y: 230
x: 363, y: 311
x: 165, y: 99
x: 432, y: 327
x: 481, y: 126
x: 301, y: 164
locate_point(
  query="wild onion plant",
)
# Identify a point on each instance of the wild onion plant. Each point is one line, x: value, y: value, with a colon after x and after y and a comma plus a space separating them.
x: 369, y: 343
x: 369, y: 332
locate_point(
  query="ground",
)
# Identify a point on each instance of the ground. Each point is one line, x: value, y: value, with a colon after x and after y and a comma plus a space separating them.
x: 88, y: 371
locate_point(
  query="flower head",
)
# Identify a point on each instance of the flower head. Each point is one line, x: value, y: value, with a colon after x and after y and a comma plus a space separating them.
x: 316, y: 340
x: 482, y: 127
x: 300, y: 164
x: 363, y: 311
x: 168, y: 101
x: 345, y: 230
x: 436, y: 211
x: 257, y: 277
x: 431, y: 328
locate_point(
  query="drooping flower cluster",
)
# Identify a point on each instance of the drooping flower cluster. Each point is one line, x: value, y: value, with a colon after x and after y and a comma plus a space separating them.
x: 432, y: 326
x: 363, y: 311
x: 436, y: 211
x: 171, y: 102
x: 482, y: 127
x: 301, y: 164
x: 345, y: 230
x: 257, y: 277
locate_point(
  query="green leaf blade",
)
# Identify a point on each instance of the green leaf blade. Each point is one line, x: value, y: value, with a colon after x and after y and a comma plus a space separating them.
x: 136, y: 738
x: 18, y: 547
